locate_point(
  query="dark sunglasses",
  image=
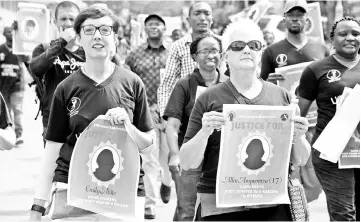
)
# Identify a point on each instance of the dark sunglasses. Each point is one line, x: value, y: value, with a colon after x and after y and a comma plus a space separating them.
x: 237, y: 46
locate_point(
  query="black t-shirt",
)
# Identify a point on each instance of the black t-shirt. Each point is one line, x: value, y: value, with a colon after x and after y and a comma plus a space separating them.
x: 54, y: 66
x: 324, y: 81
x: 5, y: 119
x: 213, y: 100
x: 182, y: 99
x: 10, y: 72
x: 283, y: 53
x: 78, y: 100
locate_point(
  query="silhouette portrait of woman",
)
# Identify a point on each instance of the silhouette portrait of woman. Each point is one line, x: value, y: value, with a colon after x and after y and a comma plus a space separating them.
x: 254, y: 155
x: 105, y: 162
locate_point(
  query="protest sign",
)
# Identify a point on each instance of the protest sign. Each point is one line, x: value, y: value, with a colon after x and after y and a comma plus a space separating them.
x: 254, y: 12
x: 104, y: 171
x: 292, y: 75
x: 347, y: 118
x: 350, y: 157
x: 254, y: 155
x: 313, y: 27
x: 33, y: 27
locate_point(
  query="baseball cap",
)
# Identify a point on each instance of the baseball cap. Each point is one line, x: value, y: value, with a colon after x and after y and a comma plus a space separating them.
x: 290, y: 4
x: 154, y: 16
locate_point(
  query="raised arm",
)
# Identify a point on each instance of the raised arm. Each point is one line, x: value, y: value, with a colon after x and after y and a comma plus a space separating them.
x: 43, y: 59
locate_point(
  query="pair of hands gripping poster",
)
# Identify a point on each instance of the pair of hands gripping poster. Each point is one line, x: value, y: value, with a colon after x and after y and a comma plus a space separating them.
x: 104, y: 171
x: 254, y: 155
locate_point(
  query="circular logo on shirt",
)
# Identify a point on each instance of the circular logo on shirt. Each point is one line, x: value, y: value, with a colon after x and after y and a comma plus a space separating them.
x: 73, y: 106
x: 254, y: 153
x: 333, y: 75
x: 105, y: 164
x: 281, y: 60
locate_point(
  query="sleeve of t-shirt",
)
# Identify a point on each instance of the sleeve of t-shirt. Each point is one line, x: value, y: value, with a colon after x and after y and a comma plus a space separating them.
x: 308, y: 85
x: 58, y: 125
x: 267, y: 65
x: 5, y: 119
x: 175, y: 103
x: 142, y: 118
x: 195, y: 120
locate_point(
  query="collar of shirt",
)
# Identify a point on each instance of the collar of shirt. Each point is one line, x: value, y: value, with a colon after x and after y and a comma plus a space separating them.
x: 146, y: 46
x: 200, y: 79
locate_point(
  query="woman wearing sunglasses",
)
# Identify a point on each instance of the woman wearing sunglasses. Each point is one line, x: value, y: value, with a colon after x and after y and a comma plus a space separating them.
x: 206, y: 51
x: 99, y: 88
x: 243, y: 43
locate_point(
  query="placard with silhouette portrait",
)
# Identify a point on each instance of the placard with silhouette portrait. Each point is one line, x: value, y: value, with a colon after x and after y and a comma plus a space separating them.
x: 104, y: 170
x: 33, y: 27
x: 254, y: 155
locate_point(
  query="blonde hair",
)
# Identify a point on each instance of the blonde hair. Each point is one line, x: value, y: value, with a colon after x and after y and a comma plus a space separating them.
x: 239, y: 27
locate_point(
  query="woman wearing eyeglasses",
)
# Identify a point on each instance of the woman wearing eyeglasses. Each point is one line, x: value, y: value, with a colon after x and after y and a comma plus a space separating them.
x: 99, y: 88
x: 206, y: 51
x: 242, y: 42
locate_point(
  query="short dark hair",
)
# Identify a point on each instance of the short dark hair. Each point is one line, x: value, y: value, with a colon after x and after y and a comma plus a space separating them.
x: 65, y: 4
x: 30, y: 23
x: 192, y: 5
x: 346, y: 18
x: 95, y: 13
x: 194, y: 45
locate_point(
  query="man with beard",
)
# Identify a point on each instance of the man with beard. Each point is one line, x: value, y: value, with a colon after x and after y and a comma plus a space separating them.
x: 297, y: 47
x: 12, y: 83
x: 147, y: 60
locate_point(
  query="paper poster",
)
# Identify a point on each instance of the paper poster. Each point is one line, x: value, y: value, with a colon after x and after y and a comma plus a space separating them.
x: 313, y: 27
x: 350, y: 157
x: 293, y: 75
x: 347, y: 119
x: 33, y: 27
x: 254, y: 155
x: 104, y: 171
x: 254, y: 12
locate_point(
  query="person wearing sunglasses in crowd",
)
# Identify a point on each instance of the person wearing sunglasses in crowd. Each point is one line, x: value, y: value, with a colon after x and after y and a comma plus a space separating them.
x: 99, y: 87
x: 243, y: 43
x: 206, y: 51
x: 324, y: 81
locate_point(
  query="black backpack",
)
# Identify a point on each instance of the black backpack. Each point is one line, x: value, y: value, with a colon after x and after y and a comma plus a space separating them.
x: 39, y: 84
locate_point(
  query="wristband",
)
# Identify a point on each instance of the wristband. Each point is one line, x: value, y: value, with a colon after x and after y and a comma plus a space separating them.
x: 38, y: 208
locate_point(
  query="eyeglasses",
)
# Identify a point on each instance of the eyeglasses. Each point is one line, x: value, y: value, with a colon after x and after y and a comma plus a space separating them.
x: 91, y: 29
x: 237, y: 46
x: 206, y: 52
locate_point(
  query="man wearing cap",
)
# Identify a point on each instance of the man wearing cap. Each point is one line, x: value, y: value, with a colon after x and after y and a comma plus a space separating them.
x: 147, y: 61
x: 297, y: 47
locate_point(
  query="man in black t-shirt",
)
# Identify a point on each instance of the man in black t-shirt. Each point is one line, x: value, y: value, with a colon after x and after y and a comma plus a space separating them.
x: 297, y: 47
x: 54, y: 62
